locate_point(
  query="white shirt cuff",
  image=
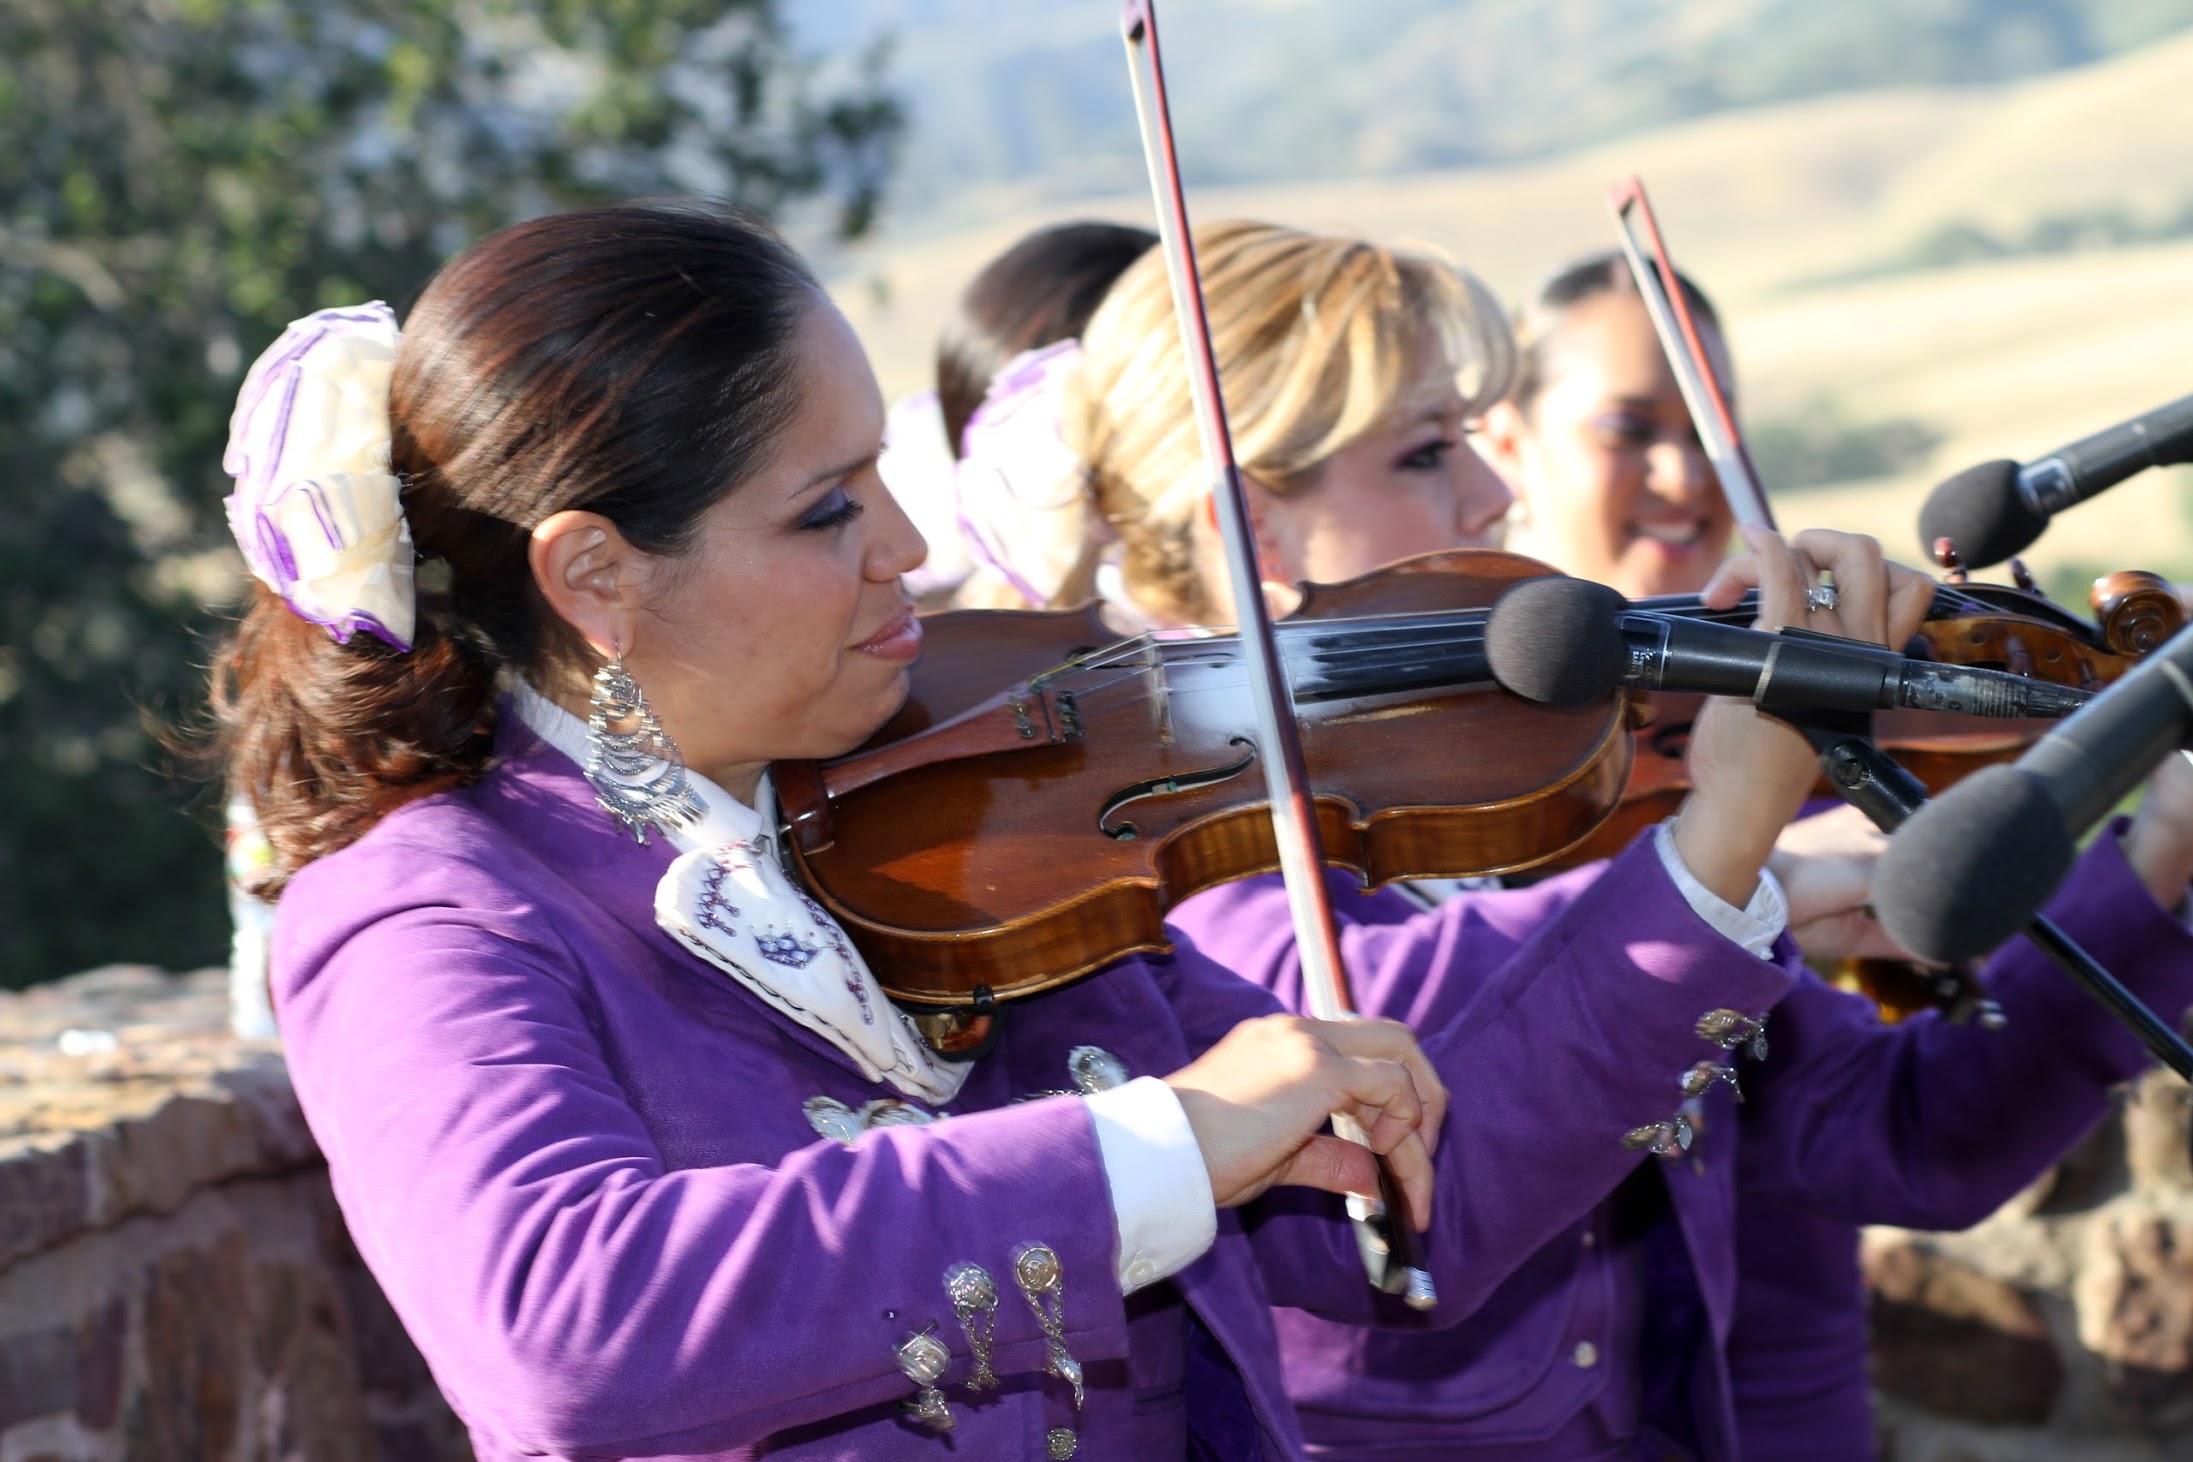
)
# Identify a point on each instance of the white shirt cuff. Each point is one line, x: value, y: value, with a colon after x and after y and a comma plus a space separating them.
x: 1161, y: 1191
x: 1755, y: 926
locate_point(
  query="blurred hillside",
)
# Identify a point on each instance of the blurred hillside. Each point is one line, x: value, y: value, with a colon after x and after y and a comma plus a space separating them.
x: 1959, y: 272
x: 1026, y: 99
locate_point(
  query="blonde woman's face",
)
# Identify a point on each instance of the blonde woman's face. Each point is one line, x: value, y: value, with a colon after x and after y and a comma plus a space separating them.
x: 1411, y: 486
x: 1613, y: 483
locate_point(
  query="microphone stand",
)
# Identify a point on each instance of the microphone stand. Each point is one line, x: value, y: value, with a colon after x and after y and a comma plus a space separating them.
x: 1875, y: 783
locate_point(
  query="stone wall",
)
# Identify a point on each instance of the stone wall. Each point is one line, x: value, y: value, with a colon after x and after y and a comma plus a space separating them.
x: 175, y: 1282
x: 2061, y: 1328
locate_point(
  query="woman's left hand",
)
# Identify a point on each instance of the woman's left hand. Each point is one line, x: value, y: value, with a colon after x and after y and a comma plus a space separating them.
x: 1751, y: 773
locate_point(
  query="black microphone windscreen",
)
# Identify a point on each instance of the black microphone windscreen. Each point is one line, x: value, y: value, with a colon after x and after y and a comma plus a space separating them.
x: 1556, y: 641
x: 1973, y: 867
x: 1983, y: 513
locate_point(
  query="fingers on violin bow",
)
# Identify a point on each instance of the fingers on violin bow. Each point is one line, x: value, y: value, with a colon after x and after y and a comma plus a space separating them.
x: 1392, y: 1113
x: 1331, y: 1164
x: 1391, y: 1041
x: 1336, y: 1165
x: 1411, y: 1166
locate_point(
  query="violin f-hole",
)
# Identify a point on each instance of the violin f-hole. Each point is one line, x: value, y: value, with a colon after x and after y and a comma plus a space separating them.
x: 1127, y: 832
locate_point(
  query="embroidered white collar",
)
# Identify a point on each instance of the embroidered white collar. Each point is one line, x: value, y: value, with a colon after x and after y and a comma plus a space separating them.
x: 728, y: 899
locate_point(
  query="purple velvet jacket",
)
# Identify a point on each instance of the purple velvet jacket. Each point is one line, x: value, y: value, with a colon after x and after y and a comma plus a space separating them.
x: 577, y: 1160
x: 1847, y: 1121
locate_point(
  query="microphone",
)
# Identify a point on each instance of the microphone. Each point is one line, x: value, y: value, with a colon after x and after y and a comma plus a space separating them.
x: 1978, y: 862
x: 1564, y: 642
x: 1998, y: 508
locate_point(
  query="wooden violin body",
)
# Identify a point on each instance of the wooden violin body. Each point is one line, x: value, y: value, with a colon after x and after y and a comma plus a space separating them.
x: 1050, y: 790
x: 972, y: 846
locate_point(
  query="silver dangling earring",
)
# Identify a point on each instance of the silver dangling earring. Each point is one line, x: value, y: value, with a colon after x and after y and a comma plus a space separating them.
x: 639, y: 778
x: 1515, y: 523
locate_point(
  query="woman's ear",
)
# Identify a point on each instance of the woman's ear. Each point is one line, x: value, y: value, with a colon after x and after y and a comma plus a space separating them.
x: 1499, y: 438
x: 591, y: 576
x: 1281, y: 550
x: 1278, y: 536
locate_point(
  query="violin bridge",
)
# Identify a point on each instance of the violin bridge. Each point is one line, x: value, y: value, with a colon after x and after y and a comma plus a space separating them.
x: 1158, y: 689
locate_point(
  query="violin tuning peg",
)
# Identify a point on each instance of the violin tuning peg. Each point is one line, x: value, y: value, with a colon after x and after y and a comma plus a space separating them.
x: 2023, y: 577
x: 1952, y: 562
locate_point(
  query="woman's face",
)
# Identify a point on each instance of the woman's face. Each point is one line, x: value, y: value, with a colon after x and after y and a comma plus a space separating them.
x: 783, y: 632
x: 1613, y: 483
x: 1408, y: 487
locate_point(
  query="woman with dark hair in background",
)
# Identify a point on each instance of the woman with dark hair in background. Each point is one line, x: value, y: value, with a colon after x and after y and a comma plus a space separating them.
x: 1011, y: 331
x: 625, y: 1126
x: 1038, y: 292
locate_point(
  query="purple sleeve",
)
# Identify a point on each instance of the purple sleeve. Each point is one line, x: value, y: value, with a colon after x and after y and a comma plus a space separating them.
x: 1560, y: 1017
x: 1393, y: 948
x: 1932, y: 1125
x: 584, y: 1297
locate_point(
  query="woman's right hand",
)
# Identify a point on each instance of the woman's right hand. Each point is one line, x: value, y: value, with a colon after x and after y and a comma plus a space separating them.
x: 2159, y: 844
x: 1825, y: 865
x: 1259, y: 1098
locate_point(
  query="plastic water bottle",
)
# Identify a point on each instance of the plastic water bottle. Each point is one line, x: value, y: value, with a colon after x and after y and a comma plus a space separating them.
x: 250, y: 1011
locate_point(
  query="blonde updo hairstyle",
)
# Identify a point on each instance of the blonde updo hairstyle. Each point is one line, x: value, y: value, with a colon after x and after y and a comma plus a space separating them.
x: 1319, y: 340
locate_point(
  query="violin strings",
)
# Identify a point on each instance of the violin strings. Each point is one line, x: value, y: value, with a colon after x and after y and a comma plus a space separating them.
x: 1455, y: 628
x: 1432, y: 648
x: 1453, y: 658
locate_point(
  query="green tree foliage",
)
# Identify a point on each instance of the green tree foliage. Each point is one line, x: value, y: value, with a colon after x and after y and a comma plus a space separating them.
x: 1819, y: 445
x: 178, y: 179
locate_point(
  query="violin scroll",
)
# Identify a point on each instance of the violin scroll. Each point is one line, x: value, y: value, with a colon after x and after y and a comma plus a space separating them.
x: 2137, y: 610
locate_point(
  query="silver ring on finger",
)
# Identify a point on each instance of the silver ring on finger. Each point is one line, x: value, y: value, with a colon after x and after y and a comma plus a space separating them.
x: 1819, y: 597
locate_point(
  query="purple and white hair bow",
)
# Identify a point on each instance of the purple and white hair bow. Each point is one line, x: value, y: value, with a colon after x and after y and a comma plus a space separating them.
x: 1025, y: 517
x: 316, y: 510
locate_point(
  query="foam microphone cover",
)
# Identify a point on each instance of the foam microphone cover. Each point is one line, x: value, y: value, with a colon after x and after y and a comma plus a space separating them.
x: 1982, y: 512
x: 1974, y: 866
x: 1555, y: 641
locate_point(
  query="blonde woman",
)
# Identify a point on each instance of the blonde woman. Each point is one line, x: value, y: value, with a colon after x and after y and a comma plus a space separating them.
x: 1350, y: 371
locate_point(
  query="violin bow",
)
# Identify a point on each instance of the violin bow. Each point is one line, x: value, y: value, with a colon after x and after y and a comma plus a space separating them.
x: 1677, y: 328
x: 1392, y: 1249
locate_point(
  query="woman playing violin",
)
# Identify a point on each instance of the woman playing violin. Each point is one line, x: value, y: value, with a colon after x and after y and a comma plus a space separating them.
x: 623, y: 1124
x: 1610, y: 481
x: 1612, y: 484
x: 1611, y: 1339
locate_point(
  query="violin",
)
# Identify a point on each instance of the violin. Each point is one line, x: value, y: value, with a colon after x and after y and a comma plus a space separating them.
x: 1983, y: 626
x: 1051, y: 789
